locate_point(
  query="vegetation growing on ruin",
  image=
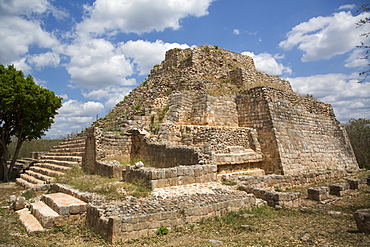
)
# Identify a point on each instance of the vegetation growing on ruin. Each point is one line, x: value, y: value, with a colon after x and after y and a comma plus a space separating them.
x: 111, y: 188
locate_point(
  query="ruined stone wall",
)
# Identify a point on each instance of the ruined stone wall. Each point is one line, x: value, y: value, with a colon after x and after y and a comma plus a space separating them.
x: 248, y: 78
x: 161, y: 155
x: 283, y: 182
x: 308, y: 135
x: 174, y: 176
x: 202, y: 110
x: 297, y: 134
x: 254, y: 113
x: 117, y: 226
x: 112, y: 144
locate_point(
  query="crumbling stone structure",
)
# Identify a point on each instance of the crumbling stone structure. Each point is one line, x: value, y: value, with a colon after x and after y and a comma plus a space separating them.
x: 209, y: 106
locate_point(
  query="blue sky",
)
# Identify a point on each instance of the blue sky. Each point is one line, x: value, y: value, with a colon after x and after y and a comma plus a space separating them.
x: 93, y: 53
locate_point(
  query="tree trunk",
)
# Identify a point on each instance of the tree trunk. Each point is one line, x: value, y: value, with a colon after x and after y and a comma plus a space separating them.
x: 4, y: 173
x: 15, y: 156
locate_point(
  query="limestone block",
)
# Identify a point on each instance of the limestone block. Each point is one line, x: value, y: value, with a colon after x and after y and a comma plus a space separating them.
x: 180, y: 171
x: 318, y: 193
x: 338, y: 189
x: 355, y: 184
x: 362, y: 218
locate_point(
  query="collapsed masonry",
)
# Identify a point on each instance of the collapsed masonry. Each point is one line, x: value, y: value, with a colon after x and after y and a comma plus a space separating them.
x: 210, y: 109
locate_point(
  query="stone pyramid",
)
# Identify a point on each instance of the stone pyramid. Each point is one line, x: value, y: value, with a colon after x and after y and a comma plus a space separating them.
x: 207, y: 105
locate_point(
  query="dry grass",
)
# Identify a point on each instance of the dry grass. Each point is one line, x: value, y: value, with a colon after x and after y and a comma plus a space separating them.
x: 111, y: 188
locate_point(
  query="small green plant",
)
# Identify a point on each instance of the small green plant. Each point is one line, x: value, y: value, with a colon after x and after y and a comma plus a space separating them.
x: 137, y: 107
x: 162, y: 230
x: 215, y: 46
x: 277, y: 189
x: 28, y: 194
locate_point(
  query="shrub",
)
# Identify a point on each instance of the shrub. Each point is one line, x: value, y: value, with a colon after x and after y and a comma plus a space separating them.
x: 162, y: 230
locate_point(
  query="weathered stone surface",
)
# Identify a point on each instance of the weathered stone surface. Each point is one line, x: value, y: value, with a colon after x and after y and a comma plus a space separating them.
x: 338, y: 189
x: 29, y: 221
x: 64, y: 204
x: 18, y: 203
x: 362, y: 218
x: 206, y: 105
x: 318, y: 193
x: 44, y: 214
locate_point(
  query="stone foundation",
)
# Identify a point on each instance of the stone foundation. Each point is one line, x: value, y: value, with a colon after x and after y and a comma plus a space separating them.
x: 165, y: 177
x: 141, y: 217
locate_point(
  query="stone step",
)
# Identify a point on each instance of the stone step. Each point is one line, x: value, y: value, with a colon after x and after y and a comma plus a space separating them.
x: 67, y: 150
x: 64, y: 204
x: 46, y: 171
x: 32, y: 179
x: 58, y: 168
x: 25, y: 184
x: 65, y: 154
x: 44, y: 214
x: 40, y: 176
x: 62, y: 158
x: 29, y: 221
x: 61, y: 162
x: 80, y: 143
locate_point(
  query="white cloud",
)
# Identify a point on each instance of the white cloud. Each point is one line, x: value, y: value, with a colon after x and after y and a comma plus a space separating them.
x: 324, y: 37
x: 21, y: 27
x: 146, y: 54
x: 347, y: 6
x: 74, y: 108
x: 236, y: 31
x: 74, y: 116
x: 45, y: 59
x: 355, y: 60
x: 139, y: 16
x: 348, y: 98
x: 267, y: 63
x: 97, y: 63
x: 17, y: 35
x: 111, y: 95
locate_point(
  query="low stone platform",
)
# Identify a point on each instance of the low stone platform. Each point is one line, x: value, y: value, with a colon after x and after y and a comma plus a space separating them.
x: 135, y: 218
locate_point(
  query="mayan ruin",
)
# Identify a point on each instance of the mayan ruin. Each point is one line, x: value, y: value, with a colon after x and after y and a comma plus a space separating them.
x: 202, y: 116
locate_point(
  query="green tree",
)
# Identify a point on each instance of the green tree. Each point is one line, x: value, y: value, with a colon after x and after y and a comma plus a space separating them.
x: 27, y: 110
x: 359, y: 134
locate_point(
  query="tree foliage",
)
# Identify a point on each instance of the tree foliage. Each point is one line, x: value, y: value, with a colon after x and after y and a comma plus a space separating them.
x: 359, y: 134
x: 27, y: 110
x: 363, y: 9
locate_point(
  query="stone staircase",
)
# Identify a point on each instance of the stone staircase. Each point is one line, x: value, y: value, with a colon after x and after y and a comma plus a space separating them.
x: 53, y: 210
x: 52, y: 164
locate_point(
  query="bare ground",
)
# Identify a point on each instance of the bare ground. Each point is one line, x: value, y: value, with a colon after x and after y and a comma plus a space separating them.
x: 329, y: 224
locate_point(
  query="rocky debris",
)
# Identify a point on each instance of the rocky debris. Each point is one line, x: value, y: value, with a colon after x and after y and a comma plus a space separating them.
x: 214, y: 241
x: 249, y: 228
x: 248, y: 215
x: 18, y: 202
x: 362, y: 218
